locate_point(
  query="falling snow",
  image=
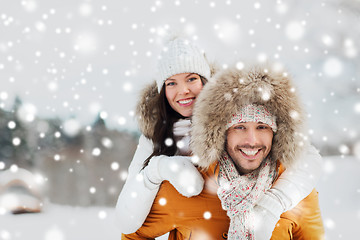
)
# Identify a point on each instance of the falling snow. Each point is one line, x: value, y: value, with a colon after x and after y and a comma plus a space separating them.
x: 96, y: 152
x: 87, y: 60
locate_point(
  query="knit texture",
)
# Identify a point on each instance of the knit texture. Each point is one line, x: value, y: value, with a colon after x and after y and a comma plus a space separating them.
x: 230, y: 90
x: 239, y: 194
x: 253, y: 113
x: 181, y: 56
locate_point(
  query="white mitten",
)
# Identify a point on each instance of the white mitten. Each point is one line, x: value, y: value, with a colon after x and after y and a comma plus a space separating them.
x: 182, y: 136
x: 266, y: 214
x: 182, y: 127
x: 178, y: 170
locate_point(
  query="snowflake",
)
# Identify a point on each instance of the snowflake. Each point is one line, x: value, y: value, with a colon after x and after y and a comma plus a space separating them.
x: 27, y: 112
x: 169, y: 142
x: 195, y: 159
x: 344, y: 149
x: 2, y: 165
x: 162, y: 201
x: 180, y: 144
x: 127, y: 87
x: 92, y: 190
x: 16, y: 141
x: 333, y: 67
x: 329, y: 223
x: 123, y: 175
x: 115, y: 166
x: 71, y: 127
x: 121, y: 121
x: 11, y: 125
x: 295, y: 30
x: 106, y: 142
x: 207, y: 215
x: 96, y: 152
x: 356, y: 150
x: 327, y: 40
x: 240, y: 65
x: 6, y: 235
x: 54, y: 233
x: 102, y: 214
x: 357, y: 108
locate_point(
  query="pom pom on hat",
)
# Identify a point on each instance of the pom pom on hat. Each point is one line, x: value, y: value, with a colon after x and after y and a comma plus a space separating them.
x: 181, y: 56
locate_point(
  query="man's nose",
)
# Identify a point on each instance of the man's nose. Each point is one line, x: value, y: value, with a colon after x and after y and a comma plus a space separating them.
x: 251, y: 137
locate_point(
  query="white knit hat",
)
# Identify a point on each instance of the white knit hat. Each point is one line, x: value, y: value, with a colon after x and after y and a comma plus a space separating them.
x: 181, y: 56
x: 253, y: 113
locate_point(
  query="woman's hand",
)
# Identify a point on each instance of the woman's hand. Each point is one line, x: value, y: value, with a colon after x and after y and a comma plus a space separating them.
x: 266, y: 214
x: 178, y: 170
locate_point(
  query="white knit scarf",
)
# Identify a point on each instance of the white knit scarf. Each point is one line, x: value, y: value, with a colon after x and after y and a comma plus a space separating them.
x: 239, y: 193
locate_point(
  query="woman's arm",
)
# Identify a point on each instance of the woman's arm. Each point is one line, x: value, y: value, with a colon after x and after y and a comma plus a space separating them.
x: 292, y: 186
x: 135, y: 199
x: 297, y: 182
x: 138, y: 193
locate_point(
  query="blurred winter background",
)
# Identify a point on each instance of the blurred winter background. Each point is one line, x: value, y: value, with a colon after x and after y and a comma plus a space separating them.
x: 70, y: 75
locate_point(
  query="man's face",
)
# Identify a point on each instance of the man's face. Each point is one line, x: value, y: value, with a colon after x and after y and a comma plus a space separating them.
x: 248, y: 144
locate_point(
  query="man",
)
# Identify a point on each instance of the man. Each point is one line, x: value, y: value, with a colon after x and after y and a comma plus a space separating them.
x: 199, y: 217
x: 250, y: 122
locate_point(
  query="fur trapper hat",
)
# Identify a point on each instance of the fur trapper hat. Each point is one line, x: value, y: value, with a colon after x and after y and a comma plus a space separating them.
x: 233, y: 89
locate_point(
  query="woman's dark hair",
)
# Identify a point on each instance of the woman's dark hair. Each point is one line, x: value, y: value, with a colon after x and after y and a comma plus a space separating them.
x: 163, y: 130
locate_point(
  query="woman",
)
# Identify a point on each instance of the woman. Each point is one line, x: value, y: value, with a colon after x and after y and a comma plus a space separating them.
x: 164, y: 112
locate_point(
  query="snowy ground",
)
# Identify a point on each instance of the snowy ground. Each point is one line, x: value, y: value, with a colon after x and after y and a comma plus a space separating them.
x: 339, y: 198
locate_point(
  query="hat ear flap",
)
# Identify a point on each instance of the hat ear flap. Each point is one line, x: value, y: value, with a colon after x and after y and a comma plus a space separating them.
x: 147, y: 109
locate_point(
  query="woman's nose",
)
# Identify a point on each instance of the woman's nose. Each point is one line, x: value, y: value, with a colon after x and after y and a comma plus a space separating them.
x: 183, y: 88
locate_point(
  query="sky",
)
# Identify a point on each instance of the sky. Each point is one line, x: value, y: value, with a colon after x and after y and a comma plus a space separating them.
x: 77, y: 59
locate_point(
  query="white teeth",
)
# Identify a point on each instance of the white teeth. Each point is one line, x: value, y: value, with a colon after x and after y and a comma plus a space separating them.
x: 250, y: 152
x: 185, y: 101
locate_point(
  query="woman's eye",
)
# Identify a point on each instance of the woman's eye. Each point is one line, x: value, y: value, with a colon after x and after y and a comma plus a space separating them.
x: 239, y: 127
x: 170, y: 84
x: 192, y: 79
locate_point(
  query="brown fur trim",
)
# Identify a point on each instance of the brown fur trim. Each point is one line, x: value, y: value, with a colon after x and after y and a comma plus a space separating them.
x: 233, y: 89
x: 146, y: 106
x: 146, y: 109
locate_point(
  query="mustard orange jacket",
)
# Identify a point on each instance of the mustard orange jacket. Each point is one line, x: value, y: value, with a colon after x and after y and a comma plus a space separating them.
x: 202, y: 217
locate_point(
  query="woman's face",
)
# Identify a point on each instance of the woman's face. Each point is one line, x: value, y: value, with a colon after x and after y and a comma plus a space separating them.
x: 181, y: 91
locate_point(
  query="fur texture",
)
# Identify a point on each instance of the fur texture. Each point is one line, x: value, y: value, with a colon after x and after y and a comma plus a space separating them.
x: 146, y: 109
x: 147, y: 104
x: 231, y: 90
